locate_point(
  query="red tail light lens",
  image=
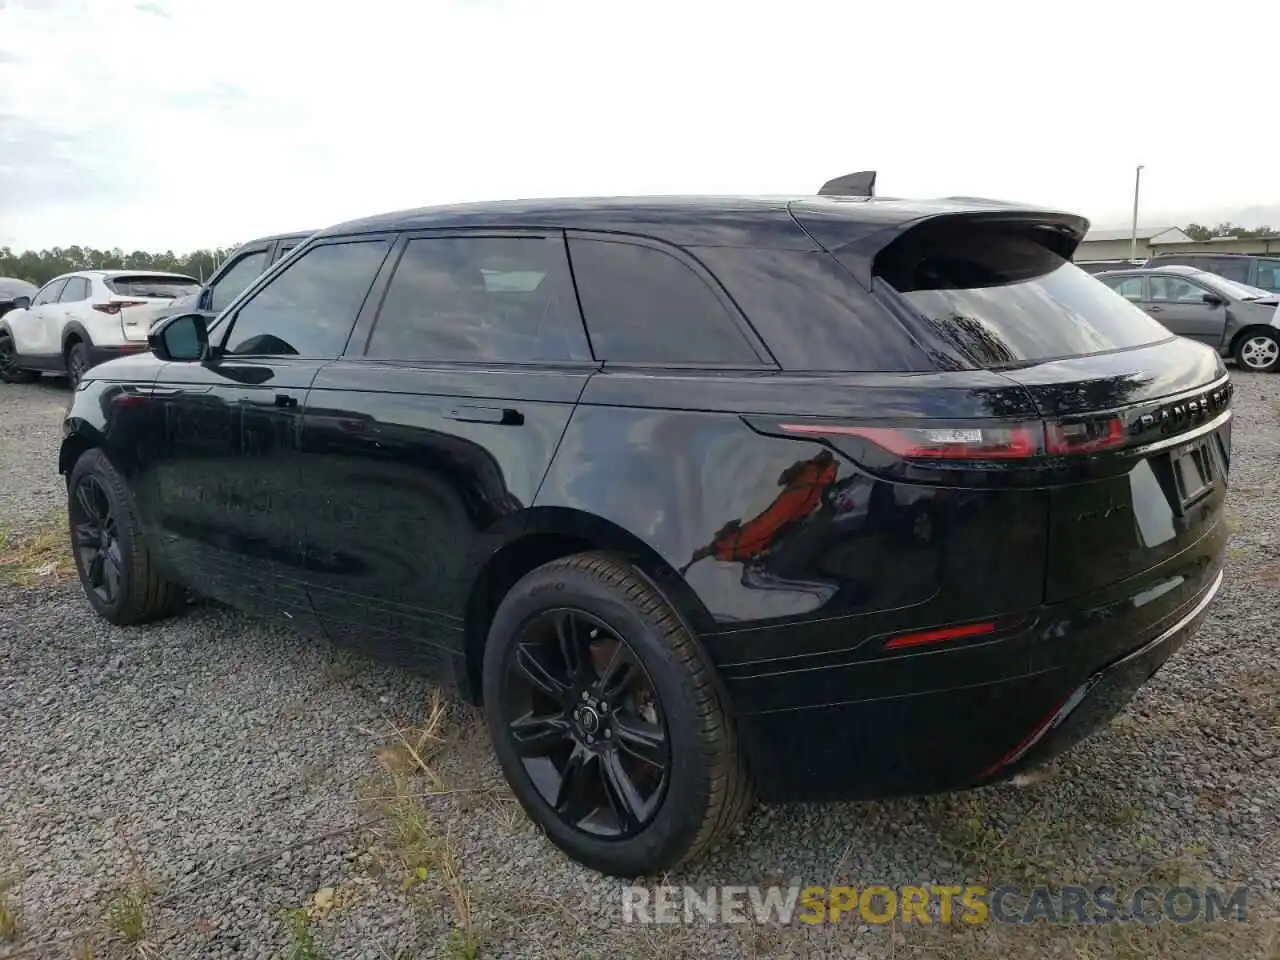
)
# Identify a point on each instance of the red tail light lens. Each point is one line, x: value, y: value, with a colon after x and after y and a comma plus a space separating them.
x: 1015, y: 442
x: 940, y: 636
x: 1086, y: 436
x: 117, y: 305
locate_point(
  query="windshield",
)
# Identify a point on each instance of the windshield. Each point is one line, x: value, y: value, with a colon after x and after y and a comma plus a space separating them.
x: 1002, y: 298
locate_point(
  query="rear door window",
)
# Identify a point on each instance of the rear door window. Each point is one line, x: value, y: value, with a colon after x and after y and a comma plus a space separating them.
x: 1233, y: 268
x: 484, y: 298
x: 1268, y: 275
x: 645, y: 305
x: 308, y: 310
x: 77, y: 289
x: 1128, y: 287
x: 1002, y: 298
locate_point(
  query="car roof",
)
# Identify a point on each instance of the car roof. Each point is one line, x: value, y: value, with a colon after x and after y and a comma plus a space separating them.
x: 1173, y: 268
x: 690, y: 220
x: 293, y: 235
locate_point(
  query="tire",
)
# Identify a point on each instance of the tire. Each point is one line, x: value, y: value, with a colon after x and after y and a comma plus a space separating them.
x: 705, y: 788
x: 77, y: 362
x: 139, y: 593
x: 9, y: 371
x: 1258, y: 351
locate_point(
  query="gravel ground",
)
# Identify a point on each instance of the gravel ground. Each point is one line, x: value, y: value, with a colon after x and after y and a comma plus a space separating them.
x: 174, y: 790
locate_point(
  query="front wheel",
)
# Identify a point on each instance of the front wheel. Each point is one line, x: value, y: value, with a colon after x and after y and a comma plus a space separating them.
x: 10, y: 372
x: 111, y: 554
x: 605, y: 719
x: 1258, y: 351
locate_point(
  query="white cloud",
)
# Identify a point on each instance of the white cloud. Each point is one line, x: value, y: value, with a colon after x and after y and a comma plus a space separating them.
x: 177, y: 123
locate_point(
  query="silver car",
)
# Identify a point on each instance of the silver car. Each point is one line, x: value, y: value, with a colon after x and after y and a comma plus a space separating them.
x: 1237, y: 320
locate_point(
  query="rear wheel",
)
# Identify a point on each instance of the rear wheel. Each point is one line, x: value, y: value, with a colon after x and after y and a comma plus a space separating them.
x: 606, y: 721
x: 10, y: 372
x: 1258, y: 351
x: 111, y: 555
x: 77, y: 362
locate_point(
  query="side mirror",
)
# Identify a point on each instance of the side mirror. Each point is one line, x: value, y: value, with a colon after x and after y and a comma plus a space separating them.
x: 184, y: 337
x: 22, y: 303
x: 1213, y: 300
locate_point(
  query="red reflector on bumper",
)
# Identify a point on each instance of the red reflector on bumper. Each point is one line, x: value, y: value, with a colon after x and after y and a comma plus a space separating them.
x: 940, y: 635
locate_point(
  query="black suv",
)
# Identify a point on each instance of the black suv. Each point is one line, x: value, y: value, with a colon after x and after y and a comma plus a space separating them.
x: 245, y: 264
x: 703, y: 499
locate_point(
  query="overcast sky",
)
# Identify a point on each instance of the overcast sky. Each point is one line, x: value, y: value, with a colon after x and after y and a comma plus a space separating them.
x: 184, y: 123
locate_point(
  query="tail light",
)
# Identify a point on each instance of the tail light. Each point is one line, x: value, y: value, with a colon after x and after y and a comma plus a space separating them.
x: 939, y: 443
x: 115, y: 306
x: 997, y: 442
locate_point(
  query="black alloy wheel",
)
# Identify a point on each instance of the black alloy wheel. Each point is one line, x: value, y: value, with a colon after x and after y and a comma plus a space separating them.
x: 96, y: 540
x: 10, y: 372
x: 77, y: 363
x: 607, y: 719
x: 587, y: 724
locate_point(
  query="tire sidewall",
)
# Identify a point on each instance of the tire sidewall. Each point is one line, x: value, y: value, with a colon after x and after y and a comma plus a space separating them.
x: 1253, y: 336
x: 95, y: 463
x: 77, y: 350
x: 661, y: 844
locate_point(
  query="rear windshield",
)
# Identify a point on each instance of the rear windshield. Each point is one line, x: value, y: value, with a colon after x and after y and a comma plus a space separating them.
x: 142, y: 285
x: 1002, y: 298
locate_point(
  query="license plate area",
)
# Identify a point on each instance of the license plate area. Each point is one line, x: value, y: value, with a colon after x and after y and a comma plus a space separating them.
x: 1193, y: 472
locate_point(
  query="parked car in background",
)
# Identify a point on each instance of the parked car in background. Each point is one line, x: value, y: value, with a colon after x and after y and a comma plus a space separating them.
x: 1255, y: 271
x: 11, y: 289
x: 699, y: 497
x: 1099, y: 266
x: 245, y: 264
x: 80, y: 319
x: 1238, y: 321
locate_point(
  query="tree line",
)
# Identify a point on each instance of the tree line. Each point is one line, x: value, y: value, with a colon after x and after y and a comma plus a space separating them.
x: 41, y: 266
x: 1199, y: 232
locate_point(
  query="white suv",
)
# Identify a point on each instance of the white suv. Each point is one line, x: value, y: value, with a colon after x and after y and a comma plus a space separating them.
x: 81, y: 319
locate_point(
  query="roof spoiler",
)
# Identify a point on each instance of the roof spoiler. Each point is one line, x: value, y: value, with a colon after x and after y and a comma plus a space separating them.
x: 860, y: 184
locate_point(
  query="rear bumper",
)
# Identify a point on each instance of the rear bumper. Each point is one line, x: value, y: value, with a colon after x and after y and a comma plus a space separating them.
x: 978, y: 712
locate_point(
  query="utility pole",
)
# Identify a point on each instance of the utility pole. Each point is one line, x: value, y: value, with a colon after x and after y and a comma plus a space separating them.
x: 1133, y: 237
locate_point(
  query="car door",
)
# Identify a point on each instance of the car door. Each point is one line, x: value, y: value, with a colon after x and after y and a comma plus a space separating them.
x: 73, y: 301
x: 433, y: 433
x: 226, y: 494
x: 30, y: 327
x: 1131, y: 288
x: 1180, y: 305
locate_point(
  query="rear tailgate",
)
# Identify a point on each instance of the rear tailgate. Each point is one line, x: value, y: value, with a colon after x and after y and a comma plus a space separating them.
x: 141, y: 298
x: 1161, y: 486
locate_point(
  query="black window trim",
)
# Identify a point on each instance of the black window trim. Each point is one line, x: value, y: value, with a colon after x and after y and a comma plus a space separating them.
x: 232, y: 312
x: 765, y: 357
x: 362, y: 333
x: 205, y: 301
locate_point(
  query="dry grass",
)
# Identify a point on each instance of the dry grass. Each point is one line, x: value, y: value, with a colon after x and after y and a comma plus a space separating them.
x: 38, y: 557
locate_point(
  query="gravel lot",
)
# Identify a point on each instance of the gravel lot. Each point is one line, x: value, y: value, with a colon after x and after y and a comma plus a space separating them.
x: 152, y: 780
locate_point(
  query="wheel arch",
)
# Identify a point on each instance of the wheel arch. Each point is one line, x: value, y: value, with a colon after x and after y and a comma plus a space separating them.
x: 74, y: 330
x: 551, y: 533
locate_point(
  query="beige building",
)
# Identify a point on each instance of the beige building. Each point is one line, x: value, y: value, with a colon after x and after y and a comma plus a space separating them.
x: 1116, y: 244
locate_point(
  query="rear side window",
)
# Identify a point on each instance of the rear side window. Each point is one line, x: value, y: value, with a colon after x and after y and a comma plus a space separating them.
x: 77, y: 289
x: 1268, y: 275
x: 643, y: 305
x: 1128, y: 287
x: 1233, y: 268
x: 507, y: 299
x: 308, y: 310
x: 142, y: 285
x: 236, y: 278
x: 1001, y: 297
